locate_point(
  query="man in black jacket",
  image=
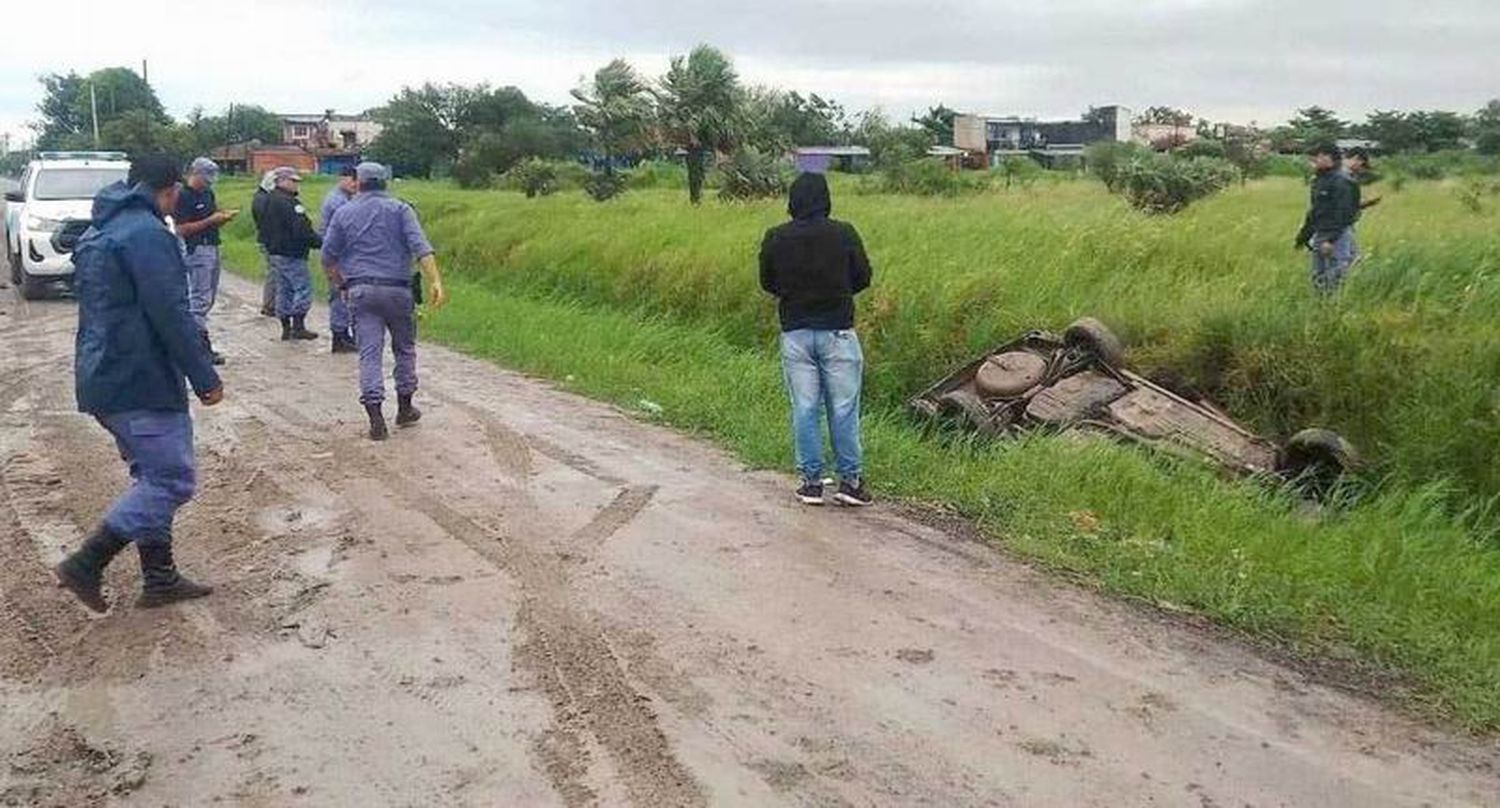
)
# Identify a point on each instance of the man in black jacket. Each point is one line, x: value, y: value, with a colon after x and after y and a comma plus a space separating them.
x: 288, y: 234
x: 815, y: 266
x: 1328, y: 228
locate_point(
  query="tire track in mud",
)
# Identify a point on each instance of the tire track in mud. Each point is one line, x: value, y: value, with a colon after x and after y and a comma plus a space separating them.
x: 565, y: 647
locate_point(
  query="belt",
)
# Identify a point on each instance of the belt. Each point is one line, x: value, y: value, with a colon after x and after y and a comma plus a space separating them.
x: 398, y: 283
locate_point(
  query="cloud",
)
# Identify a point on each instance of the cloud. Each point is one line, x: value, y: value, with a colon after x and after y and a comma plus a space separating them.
x: 1223, y: 59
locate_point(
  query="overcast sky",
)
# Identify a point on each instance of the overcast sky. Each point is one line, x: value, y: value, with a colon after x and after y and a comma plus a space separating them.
x: 1236, y: 60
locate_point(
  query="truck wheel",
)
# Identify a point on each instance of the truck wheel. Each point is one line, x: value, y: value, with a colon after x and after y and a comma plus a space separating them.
x: 1319, y: 456
x: 1093, y: 337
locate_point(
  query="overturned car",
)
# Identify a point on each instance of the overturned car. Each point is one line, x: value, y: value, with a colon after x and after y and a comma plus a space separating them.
x: 1077, y: 380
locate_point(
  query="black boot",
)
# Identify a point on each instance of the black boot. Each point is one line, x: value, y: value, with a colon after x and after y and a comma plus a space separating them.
x: 406, y: 413
x: 343, y: 343
x: 82, y: 572
x: 377, y: 422
x: 208, y: 344
x: 286, y: 329
x: 299, y: 329
x: 160, y: 582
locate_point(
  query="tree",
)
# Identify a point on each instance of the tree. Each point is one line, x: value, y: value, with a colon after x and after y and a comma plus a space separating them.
x: 421, y: 127
x: 1314, y: 125
x: 68, y: 105
x: 1165, y: 116
x: 1392, y: 129
x: 239, y: 124
x: 938, y: 122
x: 140, y: 132
x: 699, y: 106
x: 615, y: 109
x: 1486, y: 128
x: 773, y: 121
x: 889, y: 144
x: 1437, y: 130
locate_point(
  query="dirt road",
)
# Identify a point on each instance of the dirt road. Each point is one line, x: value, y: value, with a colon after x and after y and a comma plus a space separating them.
x: 531, y: 599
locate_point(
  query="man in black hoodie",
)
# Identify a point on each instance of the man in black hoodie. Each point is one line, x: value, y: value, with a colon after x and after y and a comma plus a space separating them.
x: 815, y: 266
x: 1328, y: 229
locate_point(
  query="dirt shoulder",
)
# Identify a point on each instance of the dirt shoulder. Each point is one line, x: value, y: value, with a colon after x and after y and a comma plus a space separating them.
x: 532, y: 599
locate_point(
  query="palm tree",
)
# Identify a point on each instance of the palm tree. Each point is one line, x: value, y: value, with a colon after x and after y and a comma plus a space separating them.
x: 615, y: 108
x: 699, y: 100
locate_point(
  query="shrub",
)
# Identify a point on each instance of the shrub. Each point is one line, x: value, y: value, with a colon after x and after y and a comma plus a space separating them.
x: 1203, y: 147
x: 472, y: 171
x: 533, y: 177
x: 1286, y: 165
x: 603, y: 186
x: 751, y: 175
x: 1159, y: 183
x: 1106, y: 158
x: 1017, y: 169
x: 928, y: 177
x: 657, y: 174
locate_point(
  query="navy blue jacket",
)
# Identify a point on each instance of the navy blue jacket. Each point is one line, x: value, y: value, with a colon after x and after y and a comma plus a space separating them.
x: 136, y: 340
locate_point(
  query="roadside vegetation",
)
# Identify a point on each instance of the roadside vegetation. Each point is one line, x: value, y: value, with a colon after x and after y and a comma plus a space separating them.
x: 647, y: 301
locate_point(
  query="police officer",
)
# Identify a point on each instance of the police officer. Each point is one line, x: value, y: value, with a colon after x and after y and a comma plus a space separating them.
x: 338, y: 310
x: 289, y: 236
x: 136, y: 341
x: 198, y: 219
x: 372, y: 242
x: 257, y: 212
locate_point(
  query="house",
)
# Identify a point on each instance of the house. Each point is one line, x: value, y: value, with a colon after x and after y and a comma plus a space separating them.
x: 998, y: 135
x: 1164, y: 136
x: 330, y: 131
x: 254, y: 158
x: 822, y: 159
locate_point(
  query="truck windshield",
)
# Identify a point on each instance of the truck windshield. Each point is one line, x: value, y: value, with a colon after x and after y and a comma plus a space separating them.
x: 74, y: 183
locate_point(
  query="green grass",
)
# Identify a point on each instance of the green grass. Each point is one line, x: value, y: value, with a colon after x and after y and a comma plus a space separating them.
x: 645, y: 298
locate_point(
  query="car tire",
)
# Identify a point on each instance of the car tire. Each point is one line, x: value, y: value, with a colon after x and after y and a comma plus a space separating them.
x: 31, y: 288
x: 1320, y: 454
x: 1093, y: 337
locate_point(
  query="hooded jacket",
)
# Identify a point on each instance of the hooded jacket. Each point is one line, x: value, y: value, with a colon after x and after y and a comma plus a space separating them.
x: 814, y: 265
x: 1332, y: 208
x: 136, y: 340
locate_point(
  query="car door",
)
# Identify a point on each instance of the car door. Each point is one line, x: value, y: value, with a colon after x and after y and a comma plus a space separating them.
x: 13, y: 212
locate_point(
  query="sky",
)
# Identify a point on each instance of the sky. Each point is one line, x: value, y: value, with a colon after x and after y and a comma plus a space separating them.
x: 1227, y: 60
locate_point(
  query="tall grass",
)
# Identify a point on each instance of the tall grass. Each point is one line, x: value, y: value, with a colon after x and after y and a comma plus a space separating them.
x: 645, y: 297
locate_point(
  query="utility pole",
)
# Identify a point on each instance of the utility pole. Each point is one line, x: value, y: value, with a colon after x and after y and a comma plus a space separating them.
x: 94, y: 108
x: 145, y: 72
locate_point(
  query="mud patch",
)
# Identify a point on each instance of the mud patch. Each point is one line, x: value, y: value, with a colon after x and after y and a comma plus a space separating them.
x: 62, y: 768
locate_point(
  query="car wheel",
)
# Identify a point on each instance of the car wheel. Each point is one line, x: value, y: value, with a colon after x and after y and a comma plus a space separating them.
x: 1317, y: 456
x: 31, y: 288
x: 1093, y: 337
x: 1010, y: 374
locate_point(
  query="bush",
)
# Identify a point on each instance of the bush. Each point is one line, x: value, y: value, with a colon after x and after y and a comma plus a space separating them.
x: 603, y: 186
x: 748, y: 174
x: 1286, y: 165
x: 1159, y: 183
x: 533, y: 177
x: 1106, y: 158
x: 472, y: 171
x: 928, y: 177
x: 657, y: 174
x: 1203, y: 147
x: 1016, y: 169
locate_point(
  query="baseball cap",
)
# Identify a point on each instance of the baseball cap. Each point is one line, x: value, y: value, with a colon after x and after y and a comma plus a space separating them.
x: 204, y: 167
x: 371, y: 171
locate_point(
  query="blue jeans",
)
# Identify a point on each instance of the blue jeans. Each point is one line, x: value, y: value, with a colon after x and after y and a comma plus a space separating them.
x: 1328, y: 271
x: 824, y: 373
x: 293, y: 286
x: 203, y: 282
x: 158, y: 447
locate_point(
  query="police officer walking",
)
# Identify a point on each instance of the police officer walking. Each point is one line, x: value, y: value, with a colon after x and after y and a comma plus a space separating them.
x: 338, y: 311
x: 136, y: 341
x: 198, y: 219
x: 288, y: 235
x: 372, y: 242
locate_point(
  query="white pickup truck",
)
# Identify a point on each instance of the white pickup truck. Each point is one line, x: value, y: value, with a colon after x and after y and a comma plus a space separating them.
x: 49, y: 210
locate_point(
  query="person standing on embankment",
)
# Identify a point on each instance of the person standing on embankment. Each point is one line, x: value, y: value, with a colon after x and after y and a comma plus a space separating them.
x: 372, y: 242
x: 815, y: 265
x: 136, y: 341
x: 1328, y: 228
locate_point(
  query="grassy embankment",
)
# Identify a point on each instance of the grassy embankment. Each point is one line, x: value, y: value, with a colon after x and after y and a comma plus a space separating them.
x: 645, y: 298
